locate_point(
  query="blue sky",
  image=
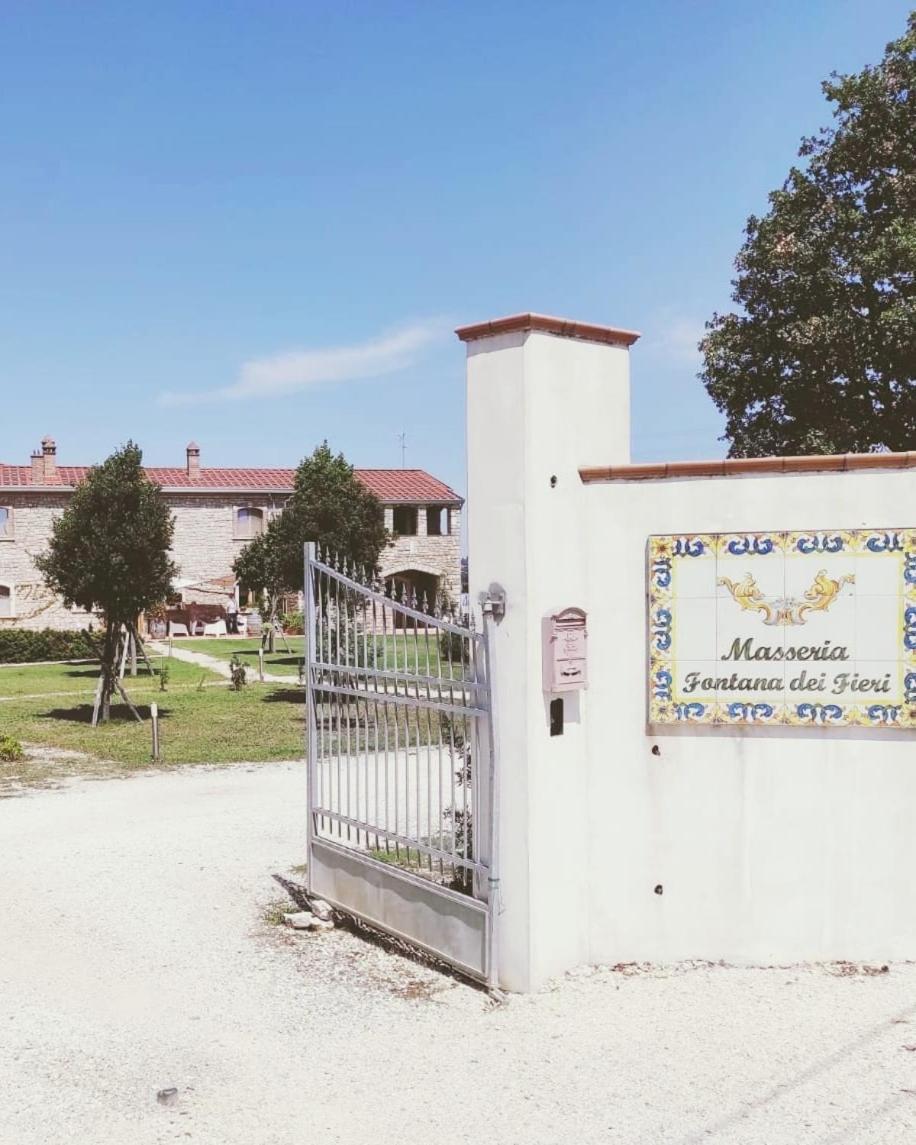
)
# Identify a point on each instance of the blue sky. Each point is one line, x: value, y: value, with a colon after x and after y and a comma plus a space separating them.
x: 256, y: 224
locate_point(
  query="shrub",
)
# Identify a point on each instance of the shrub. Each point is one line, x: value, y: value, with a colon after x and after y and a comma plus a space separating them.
x: 293, y: 623
x: 237, y: 674
x: 453, y: 649
x: 10, y: 750
x: 22, y: 646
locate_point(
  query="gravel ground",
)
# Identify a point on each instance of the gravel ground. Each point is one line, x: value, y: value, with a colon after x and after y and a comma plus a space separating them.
x: 135, y: 955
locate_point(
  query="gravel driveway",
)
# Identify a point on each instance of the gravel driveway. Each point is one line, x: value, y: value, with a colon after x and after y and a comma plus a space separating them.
x: 134, y: 955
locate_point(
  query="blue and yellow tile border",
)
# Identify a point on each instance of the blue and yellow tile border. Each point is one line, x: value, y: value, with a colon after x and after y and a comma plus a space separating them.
x: 666, y: 553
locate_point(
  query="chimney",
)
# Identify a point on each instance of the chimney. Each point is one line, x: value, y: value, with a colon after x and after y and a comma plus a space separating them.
x: 193, y: 454
x: 38, y: 468
x: 49, y: 459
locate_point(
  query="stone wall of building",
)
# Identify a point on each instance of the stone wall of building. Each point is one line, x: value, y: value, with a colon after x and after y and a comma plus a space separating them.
x: 33, y: 605
x: 206, y: 543
x: 438, y: 555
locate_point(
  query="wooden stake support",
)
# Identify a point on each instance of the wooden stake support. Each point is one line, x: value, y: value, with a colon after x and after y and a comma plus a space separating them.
x: 130, y: 645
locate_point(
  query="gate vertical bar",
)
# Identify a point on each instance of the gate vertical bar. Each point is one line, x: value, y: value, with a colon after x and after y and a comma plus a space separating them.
x: 310, y: 554
x: 493, y: 886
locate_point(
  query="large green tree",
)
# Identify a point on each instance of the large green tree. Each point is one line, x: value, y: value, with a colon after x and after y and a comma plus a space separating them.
x: 258, y: 568
x: 821, y: 356
x: 329, y: 505
x: 109, y: 551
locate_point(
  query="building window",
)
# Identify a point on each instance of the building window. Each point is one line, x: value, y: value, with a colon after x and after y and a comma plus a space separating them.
x: 249, y: 523
x: 434, y: 521
x: 6, y: 523
x: 6, y: 600
x: 405, y: 521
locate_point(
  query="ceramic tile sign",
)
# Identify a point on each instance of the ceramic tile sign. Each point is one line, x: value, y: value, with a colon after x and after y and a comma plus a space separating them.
x: 811, y: 629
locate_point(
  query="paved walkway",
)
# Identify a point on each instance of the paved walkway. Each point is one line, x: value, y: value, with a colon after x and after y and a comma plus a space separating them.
x: 214, y: 663
x: 134, y: 956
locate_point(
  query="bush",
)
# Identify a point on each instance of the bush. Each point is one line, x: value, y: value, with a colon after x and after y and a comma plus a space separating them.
x: 453, y: 648
x: 237, y: 674
x: 10, y: 750
x: 22, y: 646
x: 293, y: 623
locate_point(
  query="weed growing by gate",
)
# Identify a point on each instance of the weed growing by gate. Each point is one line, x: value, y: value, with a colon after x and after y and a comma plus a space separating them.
x: 461, y: 818
x: 237, y: 674
x: 10, y: 750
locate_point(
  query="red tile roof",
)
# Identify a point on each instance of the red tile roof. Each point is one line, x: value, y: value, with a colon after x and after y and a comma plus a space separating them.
x: 406, y: 485
x: 402, y: 485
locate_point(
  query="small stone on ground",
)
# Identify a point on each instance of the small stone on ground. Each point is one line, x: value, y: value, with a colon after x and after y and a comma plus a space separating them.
x: 301, y: 920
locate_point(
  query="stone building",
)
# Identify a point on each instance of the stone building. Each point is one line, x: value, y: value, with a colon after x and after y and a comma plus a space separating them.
x: 216, y: 512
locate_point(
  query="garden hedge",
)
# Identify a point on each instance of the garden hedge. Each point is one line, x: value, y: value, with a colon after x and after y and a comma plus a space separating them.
x: 22, y: 646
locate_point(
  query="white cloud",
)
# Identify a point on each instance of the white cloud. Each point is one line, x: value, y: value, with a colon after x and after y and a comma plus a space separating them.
x: 296, y: 370
x: 673, y: 338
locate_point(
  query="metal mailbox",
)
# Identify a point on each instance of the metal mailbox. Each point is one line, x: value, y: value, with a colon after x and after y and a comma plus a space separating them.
x: 565, y: 660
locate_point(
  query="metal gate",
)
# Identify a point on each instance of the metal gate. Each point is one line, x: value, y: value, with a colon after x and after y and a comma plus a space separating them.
x: 400, y: 765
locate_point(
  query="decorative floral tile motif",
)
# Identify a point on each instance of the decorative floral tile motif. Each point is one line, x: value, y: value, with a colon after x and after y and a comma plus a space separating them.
x: 812, y: 629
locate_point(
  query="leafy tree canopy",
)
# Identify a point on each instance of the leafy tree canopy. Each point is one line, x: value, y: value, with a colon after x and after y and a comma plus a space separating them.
x: 109, y: 550
x: 822, y: 358
x: 258, y: 566
x: 329, y: 505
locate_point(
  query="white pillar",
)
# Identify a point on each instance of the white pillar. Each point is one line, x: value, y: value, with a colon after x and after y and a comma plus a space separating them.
x: 544, y: 397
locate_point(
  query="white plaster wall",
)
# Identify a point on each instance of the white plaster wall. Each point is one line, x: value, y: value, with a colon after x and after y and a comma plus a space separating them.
x: 772, y: 844
x: 526, y: 393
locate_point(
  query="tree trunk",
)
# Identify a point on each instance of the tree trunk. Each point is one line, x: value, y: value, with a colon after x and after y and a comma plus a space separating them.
x: 271, y: 619
x: 109, y: 668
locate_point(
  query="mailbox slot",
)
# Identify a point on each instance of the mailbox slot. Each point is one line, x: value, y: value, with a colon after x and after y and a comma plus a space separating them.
x: 565, y: 659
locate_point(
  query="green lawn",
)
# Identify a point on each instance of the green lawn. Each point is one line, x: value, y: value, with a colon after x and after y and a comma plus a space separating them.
x: 213, y: 725
x: 279, y: 663
x: 416, y: 654
x: 81, y: 679
x: 202, y: 720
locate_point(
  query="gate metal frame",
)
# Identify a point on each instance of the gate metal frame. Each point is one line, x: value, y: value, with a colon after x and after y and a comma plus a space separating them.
x: 376, y: 862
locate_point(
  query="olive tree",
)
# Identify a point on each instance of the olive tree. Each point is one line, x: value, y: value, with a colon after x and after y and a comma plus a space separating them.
x: 109, y: 552
x: 329, y: 505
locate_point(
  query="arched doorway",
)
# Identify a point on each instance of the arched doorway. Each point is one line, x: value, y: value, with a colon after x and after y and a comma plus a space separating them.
x: 413, y: 587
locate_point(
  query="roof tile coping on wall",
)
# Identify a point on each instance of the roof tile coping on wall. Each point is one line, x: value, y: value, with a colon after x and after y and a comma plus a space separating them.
x: 545, y: 323
x: 392, y: 486
x: 740, y: 466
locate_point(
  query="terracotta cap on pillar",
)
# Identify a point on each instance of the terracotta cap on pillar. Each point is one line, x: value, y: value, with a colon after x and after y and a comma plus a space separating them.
x: 544, y: 323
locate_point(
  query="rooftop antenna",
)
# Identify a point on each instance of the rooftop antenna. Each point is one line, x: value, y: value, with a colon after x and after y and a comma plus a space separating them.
x: 402, y: 438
